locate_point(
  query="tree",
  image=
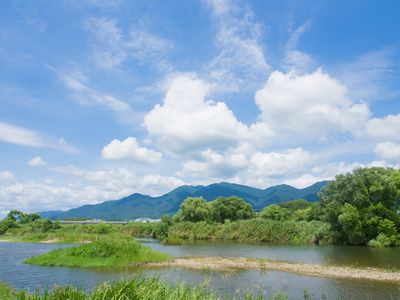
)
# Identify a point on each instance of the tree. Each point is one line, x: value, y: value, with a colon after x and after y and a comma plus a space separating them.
x: 295, y: 204
x: 232, y: 208
x: 194, y: 209
x: 8, y: 223
x: 362, y: 205
x: 27, y: 218
x: 275, y: 212
x: 16, y: 215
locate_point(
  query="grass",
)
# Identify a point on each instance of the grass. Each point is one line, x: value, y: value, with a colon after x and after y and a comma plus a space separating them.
x: 173, y: 241
x: 69, y: 234
x: 100, y: 254
x: 260, y: 230
x: 134, y: 288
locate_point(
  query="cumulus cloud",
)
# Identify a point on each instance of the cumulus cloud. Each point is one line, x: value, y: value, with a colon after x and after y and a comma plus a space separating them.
x: 186, y: 122
x: 388, y: 151
x: 129, y: 149
x: 214, y: 164
x: 6, y: 177
x: 304, y: 181
x: 312, y: 104
x: 37, y: 162
x: 279, y: 164
x: 95, y: 187
x: 387, y: 128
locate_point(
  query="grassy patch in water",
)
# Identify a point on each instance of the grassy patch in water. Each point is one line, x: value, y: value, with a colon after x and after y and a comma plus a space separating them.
x: 173, y: 241
x: 100, y: 254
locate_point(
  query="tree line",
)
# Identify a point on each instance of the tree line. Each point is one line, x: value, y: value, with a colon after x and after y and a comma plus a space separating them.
x: 360, y: 207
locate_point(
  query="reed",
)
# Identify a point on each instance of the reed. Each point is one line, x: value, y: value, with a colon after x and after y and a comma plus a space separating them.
x: 137, y: 287
x: 260, y: 230
x: 173, y: 241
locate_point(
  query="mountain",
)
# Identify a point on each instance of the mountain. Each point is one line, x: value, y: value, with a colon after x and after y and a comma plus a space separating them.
x: 138, y: 205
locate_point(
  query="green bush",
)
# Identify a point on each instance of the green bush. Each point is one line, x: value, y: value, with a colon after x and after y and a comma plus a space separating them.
x: 173, y: 241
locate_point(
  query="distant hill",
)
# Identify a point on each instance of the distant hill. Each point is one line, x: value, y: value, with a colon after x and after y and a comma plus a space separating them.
x: 138, y: 205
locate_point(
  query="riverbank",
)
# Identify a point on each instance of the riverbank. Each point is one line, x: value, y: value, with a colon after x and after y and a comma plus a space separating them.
x: 303, y: 269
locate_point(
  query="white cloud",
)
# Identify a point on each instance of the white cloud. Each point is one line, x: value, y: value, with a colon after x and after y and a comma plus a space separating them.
x: 303, y: 181
x: 280, y: 164
x: 27, y: 137
x: 88, y: 96
x: 111, y: 48
x: 129, y: 149
x: 295, y: 58
x: 6, y: 177
x: 239, y: 41
x: 99, y: 186
x: 187, y: 123
x: 37, y: 162
x: 70, y: 169
x: 21, y: 136
x: 387, y: 128
x: 388, y: 151
x: 214, y: 164
x: 312, y: 104
x: 109, y: 51
x: 371, y: 76
x: 105, y: 4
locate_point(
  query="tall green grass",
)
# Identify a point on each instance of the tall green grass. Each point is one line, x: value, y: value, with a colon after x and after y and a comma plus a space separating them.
x: 100, y: 254
x: 71, y: 233
x: 260, y: 230
x: 137, y: 287
x: 139, y: 229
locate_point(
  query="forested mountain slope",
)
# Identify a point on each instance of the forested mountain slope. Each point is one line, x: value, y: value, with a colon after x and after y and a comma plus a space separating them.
x: 138, y: 205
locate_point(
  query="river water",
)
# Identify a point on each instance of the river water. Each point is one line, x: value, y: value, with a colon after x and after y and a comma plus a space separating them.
x: 31, y: 277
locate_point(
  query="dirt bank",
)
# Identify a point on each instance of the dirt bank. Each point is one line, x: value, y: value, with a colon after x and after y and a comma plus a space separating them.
x: 237, y: 263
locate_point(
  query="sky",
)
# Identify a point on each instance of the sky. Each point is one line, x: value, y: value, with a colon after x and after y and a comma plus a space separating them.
x: 103, y: 99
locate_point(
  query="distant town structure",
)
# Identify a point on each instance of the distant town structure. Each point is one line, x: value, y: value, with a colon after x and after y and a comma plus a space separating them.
x: 97, y: 221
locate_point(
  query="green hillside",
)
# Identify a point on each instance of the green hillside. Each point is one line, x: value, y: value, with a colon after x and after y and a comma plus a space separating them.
x: 138, y: 205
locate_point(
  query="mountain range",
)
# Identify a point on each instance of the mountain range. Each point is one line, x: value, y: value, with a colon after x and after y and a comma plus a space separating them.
x: 138, y: 205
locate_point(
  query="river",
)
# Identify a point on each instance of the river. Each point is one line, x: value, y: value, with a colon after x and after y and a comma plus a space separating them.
x: 23, y: 276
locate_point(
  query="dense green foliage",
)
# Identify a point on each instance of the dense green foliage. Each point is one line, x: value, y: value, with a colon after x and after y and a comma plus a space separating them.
x: 99, y: 254
x: 135, y: 288
x: 260, y: 230
x: 198, y: 209
x: 29, y: 222
x: 173, y: 241
x: 276, y: 212
x: 194, y: 209
x: 231, y: 208
x: 361, y: 207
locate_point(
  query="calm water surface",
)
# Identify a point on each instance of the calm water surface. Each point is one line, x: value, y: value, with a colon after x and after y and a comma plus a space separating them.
x: 32, y: 277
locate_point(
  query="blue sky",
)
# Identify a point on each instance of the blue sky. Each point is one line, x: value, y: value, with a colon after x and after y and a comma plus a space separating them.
x: 102, y: 99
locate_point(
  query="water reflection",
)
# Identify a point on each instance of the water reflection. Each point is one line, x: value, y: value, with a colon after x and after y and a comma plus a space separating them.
x: 310, y: 253
x: 32, y: 277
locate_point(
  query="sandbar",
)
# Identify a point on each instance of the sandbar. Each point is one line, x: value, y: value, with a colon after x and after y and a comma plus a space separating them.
x: 303, y: 269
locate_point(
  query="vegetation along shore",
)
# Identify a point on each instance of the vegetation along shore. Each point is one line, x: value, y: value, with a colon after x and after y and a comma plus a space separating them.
x: 359, y: 208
